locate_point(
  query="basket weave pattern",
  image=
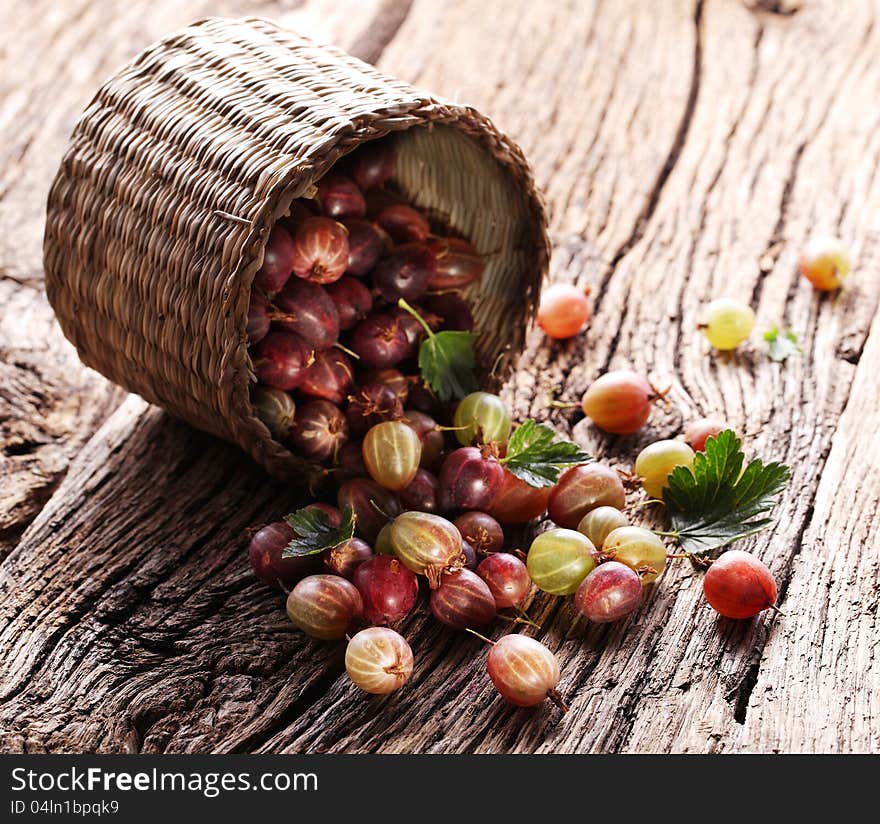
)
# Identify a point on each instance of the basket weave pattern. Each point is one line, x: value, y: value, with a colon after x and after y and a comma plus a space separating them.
x: 178, y: 169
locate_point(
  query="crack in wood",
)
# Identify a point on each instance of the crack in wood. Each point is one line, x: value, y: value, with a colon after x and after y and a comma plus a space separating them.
x: 778, y: 234
x: 391, y: 15
x: 744, y: 693
x: 653, y: 200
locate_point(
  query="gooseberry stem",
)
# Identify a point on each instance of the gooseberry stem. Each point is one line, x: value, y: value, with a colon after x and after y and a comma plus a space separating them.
x: 641, y: 504
x: 407, y: 308
x: 347, y: 351
x: 381, y: 511
x: 697, y: 560
x: 660, y: 394
x: 524, y: 615
x: 521, y: 618
x: 489, y: 641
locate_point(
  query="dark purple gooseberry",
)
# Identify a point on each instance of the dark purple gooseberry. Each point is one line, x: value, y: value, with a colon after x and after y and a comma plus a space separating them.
x: 422, y: 399
x: 307, y: 310
x: 468, y: 480
x: 458, y: 263
x: 277, y: 262
x: 388, y: 589
x: 481, y: 530
x: 412, y: 329
x: 274, y: 408
x: 373, y: 164
x: 430, y: 435
x: 470, y: 556
x: 258, y: 317
x: 352, y: 299
x: 340, y: 197
x: 404, y: 273
x: 365, y: 245
x: 463, y: 600
x: 451, y: 310
x: 373, y: 506
x: 421, y: 493
x: 320, y: 250
x: 319, y: 431
x: 264, y: 554
x: 379, y: 341
x: 393, y: 378
x: 371, y: 404
x: 281, y: 360
x: 351, y: 460
x: 344, y: 559
x: 380, y: 199
x: 330, y: 377
x: 403, y: 223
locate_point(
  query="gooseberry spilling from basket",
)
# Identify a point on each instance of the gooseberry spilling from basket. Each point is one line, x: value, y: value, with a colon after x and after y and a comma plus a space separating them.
x: 361, y: 340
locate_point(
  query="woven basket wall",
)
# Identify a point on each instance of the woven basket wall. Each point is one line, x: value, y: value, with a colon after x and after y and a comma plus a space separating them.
x: 184, y: 160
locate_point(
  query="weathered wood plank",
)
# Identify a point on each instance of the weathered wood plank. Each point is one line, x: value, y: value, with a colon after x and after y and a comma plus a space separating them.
x: 55, y: 726
x: 817, y: 682
x: 677, y: 678
x: 785, y: 176
x: 128, y: 618
x: 49, y: 407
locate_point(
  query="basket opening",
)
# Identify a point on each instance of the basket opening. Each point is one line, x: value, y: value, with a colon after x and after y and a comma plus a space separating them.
x: 445, y: 172
x: 449, y: 176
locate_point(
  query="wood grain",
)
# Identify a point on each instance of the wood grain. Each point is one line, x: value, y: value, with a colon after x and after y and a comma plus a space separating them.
x: 687, y: 150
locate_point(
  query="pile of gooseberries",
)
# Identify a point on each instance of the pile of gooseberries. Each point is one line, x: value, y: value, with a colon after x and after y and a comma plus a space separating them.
x: 433, y: 501
x: 450, y: 542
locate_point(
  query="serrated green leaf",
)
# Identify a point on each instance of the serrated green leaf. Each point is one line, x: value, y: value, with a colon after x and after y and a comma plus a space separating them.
x: 446, y: 361
x: 536, y: 458
x: 314, y: 533
x: 781, y: 345
x: 718, y: 502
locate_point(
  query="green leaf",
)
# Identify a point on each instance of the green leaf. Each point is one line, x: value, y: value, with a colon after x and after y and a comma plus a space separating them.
x: 446, y: 360
x: 717, y: 502
x: 534, y: 457
x: 314, y: 533
x: 781, y: 345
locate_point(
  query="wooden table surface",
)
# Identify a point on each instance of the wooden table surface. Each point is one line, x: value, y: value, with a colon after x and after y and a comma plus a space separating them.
x: 687, y: 149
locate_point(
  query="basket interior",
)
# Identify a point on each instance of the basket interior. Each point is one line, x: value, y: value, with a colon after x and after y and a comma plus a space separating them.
x: 443, y: 171
x: 448, y: 175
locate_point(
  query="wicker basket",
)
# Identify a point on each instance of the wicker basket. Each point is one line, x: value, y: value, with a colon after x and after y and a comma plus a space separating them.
x: 184, y: 160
